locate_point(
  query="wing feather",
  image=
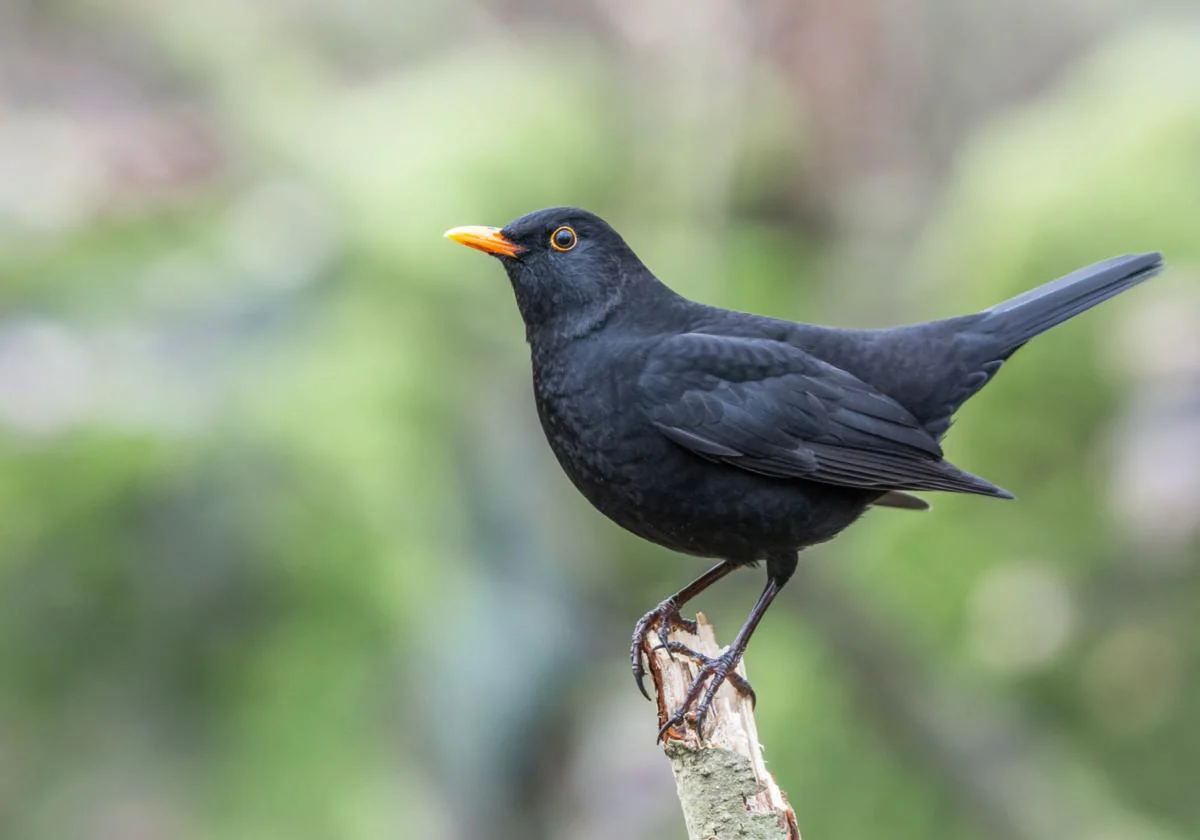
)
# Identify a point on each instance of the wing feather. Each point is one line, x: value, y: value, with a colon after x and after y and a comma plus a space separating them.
x: 768, y: 407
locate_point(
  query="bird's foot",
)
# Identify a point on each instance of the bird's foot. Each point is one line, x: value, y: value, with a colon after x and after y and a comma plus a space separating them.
x: 713, y: 672
x: 661, y: 620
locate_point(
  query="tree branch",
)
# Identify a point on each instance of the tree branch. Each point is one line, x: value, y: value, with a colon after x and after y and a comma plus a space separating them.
x: 723, y: 783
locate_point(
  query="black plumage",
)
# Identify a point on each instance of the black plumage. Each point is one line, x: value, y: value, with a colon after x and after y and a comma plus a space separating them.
x: 740, y: 437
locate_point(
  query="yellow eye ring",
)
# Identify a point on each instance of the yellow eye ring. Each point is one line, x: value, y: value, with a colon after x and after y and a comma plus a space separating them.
x: 563, y: 238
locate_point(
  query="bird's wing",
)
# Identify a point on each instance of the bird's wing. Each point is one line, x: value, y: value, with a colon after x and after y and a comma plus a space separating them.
x: 769, y: 407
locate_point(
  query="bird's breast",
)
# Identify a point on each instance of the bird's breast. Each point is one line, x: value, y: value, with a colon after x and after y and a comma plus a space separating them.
x: 588, y: 406
x: 591, y: 421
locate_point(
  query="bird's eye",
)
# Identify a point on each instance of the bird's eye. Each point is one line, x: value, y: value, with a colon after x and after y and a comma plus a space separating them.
x: 563, y: 239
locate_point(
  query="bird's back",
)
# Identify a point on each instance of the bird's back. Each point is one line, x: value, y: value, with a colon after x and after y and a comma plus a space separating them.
x: 932, y: 368
x: 928, y: 368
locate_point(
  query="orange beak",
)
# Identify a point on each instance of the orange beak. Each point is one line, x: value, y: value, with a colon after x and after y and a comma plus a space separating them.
x: 486, y: 239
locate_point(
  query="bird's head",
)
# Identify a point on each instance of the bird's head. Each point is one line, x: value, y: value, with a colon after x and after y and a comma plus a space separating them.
x: 568, y: 268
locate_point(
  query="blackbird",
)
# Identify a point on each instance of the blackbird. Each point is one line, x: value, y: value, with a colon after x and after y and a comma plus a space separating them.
x: 739, y: 437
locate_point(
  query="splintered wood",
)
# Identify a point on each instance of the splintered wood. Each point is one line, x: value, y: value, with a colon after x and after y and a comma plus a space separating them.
x: 724, y: 787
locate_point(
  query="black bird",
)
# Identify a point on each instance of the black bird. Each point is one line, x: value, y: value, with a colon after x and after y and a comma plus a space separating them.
x: 735, y: 436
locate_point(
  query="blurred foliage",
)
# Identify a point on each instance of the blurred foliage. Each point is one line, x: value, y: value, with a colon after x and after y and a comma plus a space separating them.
x: 283, y: 553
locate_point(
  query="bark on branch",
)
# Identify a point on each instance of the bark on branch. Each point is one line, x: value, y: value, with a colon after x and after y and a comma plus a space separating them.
x: 723, y: 783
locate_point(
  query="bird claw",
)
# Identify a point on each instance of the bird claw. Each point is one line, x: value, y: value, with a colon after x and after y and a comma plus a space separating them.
x: 660, y: 620
x: 740, y: 684
x: 713, y: 672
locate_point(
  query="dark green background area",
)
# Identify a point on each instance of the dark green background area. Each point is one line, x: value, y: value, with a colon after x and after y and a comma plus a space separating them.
x: 283, y: 553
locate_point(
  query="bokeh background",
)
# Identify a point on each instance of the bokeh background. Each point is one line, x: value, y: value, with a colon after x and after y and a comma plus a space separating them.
x: 283, y: 552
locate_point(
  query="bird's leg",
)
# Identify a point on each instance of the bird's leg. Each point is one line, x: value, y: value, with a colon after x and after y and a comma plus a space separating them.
x: 666, y: 616
x: 716, y: 670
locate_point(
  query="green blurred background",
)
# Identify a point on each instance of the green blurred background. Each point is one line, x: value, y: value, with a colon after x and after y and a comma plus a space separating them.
x: 283, y: 553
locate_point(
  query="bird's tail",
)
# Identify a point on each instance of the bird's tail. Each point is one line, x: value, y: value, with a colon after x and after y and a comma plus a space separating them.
x: 1016, y: 321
